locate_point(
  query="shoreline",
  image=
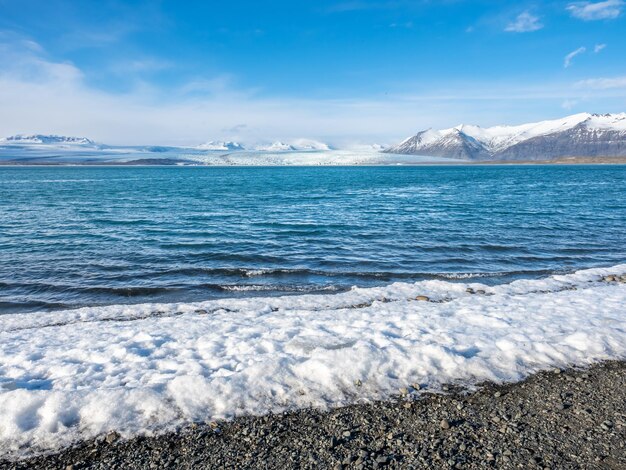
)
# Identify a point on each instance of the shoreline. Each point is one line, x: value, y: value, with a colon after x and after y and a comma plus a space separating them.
x: 515, y: 329
x: 186, y: 163
x: 575, y: 418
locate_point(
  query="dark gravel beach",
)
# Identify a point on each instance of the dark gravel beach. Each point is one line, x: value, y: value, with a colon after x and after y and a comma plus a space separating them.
x: 556, y: 419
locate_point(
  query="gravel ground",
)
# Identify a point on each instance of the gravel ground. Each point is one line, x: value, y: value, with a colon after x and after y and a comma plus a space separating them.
x: 556, y: 419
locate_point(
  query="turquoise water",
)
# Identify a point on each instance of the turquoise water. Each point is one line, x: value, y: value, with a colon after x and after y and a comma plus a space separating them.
x: 78, y: 236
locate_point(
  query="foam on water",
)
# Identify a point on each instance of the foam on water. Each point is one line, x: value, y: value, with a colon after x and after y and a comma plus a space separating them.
x: 147, y: 368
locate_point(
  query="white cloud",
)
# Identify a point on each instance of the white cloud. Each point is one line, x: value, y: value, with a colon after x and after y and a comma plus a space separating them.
x: 590, y: 11
x: 524, y: 23
x: 569, y: 104
x: 602, y: 83
x: 40, y: 95
x: 598, y: 48
x: 569, y: 57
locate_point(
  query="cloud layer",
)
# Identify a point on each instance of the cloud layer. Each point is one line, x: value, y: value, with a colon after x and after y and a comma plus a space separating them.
x: 42, y: 95
x: 590, y: 11
x: 569, y: 57
x: 524, y: 23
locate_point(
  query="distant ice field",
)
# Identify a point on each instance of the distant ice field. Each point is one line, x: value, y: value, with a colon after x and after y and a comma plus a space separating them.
x: 42, y: 154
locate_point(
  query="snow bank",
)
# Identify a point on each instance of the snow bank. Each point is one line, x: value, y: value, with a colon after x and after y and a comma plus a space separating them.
x: 146, y: 368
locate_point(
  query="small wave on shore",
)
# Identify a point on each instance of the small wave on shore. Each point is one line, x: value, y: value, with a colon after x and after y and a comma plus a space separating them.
x: 136, y: 369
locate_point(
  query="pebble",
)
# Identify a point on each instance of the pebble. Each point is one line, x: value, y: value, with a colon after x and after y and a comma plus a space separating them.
x: 445, y: 424
x: 422, y: 298
x: 606, y: 425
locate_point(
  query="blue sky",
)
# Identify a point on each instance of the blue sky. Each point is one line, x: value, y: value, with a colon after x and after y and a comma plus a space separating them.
x: 167, y: 72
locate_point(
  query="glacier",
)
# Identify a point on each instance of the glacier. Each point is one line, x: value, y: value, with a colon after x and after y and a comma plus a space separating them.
x: 51, y: 150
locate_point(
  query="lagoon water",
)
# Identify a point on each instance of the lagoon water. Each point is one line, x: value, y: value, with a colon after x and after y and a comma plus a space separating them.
x: 118, y: 286
x: 87, y: 236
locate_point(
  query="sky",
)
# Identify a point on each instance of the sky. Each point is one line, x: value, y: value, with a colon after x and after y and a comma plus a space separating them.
x: 167, y: 72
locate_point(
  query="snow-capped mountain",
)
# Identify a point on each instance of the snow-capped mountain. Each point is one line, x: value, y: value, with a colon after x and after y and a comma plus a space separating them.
x: 366, y: 147
x: 309, y: 144
x: 21, y: 139
x: 276, y: 147
x: 579, y: 135
x: 220, y: 145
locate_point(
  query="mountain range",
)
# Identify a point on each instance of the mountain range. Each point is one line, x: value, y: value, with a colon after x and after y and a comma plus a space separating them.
x: 578, y: 135
x: 45, y: 139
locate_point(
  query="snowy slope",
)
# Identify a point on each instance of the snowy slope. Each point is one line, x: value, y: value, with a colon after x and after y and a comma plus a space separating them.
x: 581, y: 134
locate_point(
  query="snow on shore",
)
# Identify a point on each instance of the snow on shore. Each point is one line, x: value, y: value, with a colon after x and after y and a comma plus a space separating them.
x: 144, y: 368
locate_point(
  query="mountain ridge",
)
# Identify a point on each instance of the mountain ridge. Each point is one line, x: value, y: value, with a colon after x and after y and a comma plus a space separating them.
x: 582, y: 134
x: 45, y: 139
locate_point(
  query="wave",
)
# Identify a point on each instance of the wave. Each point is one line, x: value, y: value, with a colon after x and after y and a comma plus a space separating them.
x: 278, y: 288
x: 145, y: 368
x: 269, y: 272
